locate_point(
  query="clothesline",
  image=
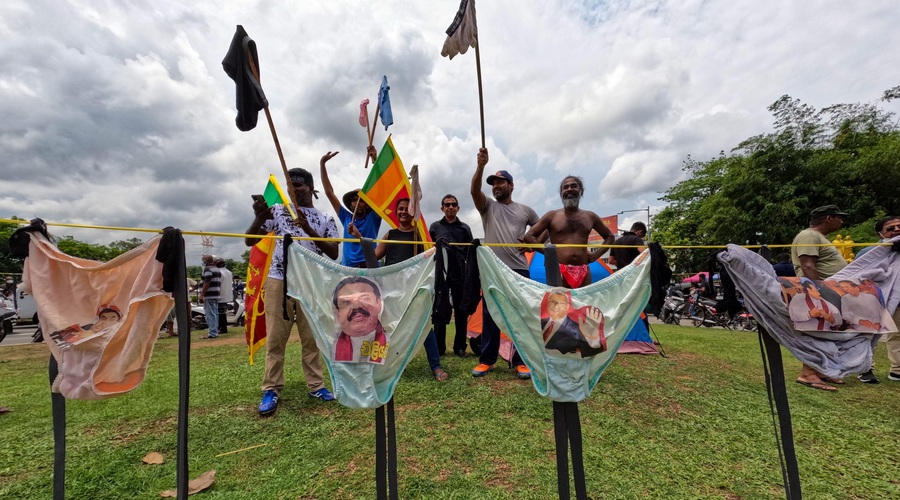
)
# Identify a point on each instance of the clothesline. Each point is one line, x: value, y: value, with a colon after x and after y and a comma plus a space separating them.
x: 515, y: 245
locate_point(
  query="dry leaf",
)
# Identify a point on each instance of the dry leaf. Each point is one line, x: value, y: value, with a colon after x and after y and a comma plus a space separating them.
x: 154, y: 458
x: 202, y: 482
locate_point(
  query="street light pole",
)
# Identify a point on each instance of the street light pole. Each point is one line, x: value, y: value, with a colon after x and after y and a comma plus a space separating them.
x: 647, y: 236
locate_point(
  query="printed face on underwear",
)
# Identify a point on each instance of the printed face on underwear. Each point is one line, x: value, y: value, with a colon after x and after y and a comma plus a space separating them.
x: 557, y: 306
x: 106, y: 319
x: 850, y: 287
x: 358, y: 306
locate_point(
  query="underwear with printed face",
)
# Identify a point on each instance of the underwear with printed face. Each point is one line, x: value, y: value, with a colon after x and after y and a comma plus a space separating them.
x: 102, y: 319
x: 565, y: 337
x: 368, y: 323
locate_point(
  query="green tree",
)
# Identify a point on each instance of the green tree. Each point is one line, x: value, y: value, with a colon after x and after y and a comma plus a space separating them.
x: 762, y: 192
x: 76, y: 248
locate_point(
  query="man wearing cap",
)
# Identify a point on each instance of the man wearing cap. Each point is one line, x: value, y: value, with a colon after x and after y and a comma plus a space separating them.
x: 312, y: 223
x: 816, y: 258
x: 813, y: 255
x: 505, y: 221
x: 358, y: 219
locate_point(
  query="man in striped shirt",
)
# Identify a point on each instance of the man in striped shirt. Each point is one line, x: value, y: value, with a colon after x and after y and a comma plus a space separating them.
x: 209, y: 295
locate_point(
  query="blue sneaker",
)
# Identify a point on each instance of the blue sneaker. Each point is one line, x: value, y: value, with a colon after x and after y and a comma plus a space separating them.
x: 324, y: 394
x: 269, y: 403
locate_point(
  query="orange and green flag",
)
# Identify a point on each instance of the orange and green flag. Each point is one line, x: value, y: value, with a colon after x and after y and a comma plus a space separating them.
x: 257, y: 271
x: 386, y: 185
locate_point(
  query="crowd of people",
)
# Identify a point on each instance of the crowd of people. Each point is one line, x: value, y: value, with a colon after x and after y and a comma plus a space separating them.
x: 503, y: 220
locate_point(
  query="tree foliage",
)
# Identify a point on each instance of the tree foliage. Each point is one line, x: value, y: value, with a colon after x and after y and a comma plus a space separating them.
x: 762, y: 192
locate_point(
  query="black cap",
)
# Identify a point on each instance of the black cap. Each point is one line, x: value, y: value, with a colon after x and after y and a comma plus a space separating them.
x: 501, y: 174
x: 827, y: 210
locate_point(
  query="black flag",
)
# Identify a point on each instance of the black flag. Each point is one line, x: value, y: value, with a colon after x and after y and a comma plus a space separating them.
x: 250, y: 95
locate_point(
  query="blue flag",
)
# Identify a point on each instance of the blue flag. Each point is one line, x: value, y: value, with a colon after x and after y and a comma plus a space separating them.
x: 384, y: 103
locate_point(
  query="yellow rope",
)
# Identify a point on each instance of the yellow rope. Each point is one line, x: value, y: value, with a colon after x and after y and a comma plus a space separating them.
x: 354, y: 240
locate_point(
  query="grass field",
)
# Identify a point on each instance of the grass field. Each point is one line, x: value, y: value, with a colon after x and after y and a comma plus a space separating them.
x: 693, y: 425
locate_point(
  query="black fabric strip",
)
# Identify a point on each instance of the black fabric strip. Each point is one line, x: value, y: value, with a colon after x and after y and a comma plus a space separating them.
x: 380, y: 455
x: 778, y: 392
x: 182, y: 317
x: 58, y: 408
x: 560, y: 431
x: 573, y: 423
x: 391, y: 451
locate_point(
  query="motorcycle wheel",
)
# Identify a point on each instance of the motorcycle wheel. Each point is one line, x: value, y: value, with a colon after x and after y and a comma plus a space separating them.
x: 6, y: 329
x: 699, y: 318
x: 750, y: 324
x: 38, y: 336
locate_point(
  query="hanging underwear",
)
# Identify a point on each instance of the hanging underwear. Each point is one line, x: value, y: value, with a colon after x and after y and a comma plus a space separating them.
x: 566, y: 360
x: 573, y: 275
x: 834, y: 353
x: 369, y: 337
x: 100, y: 320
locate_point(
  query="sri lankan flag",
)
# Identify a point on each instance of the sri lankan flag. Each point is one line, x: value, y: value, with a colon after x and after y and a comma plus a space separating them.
x: 388, y: 183
x: 257, y: 271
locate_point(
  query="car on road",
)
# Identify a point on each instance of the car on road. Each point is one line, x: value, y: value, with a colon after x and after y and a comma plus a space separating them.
x: 25, y: 305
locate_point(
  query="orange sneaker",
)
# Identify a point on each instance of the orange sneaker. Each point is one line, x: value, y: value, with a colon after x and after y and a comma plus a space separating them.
x: 481, y: 370
x: 523, y: 372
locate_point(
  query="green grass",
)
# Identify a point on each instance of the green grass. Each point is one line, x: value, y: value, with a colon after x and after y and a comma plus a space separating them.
x: 694, y: 425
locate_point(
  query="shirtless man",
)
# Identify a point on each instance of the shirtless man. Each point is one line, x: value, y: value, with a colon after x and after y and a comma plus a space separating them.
x: 572, y: 225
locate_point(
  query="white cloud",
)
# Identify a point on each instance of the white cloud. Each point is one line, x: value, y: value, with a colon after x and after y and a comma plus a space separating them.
x: 120, y: 114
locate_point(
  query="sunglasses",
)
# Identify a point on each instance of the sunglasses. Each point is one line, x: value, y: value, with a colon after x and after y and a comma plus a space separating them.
x: 449, y: 205
x: 891, y: 229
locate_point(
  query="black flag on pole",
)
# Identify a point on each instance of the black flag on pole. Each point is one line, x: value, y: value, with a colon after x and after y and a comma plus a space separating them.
x: 250, y: 95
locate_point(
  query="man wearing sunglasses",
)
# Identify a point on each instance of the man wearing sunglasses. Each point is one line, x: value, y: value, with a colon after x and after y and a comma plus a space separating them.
x: 453, y: 230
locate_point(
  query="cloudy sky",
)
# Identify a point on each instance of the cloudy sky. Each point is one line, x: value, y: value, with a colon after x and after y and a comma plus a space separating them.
x: 119, y: 113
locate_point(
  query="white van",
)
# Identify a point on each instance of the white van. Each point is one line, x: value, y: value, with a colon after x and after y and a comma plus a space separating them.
x: 25, y: 305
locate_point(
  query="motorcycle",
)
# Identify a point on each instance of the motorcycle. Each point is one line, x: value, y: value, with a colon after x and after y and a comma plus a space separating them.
x: 673, y: 308
x: 704, y: 312
x: 198, y: 315
x: 8, y: 317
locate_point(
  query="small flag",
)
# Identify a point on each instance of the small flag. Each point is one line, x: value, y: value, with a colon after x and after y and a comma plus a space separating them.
x: 463, y: 31
x: 384, y: 103
x: 386, y: 185
x: 250, y: 96
x: 364, y: 113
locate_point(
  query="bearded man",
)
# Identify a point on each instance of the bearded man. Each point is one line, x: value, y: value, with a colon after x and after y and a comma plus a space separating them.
x: 572, y: 225
x: 357, y: 310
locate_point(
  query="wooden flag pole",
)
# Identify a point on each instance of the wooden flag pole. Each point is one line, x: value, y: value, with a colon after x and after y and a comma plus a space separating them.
x: 287, y: 177
x: 372, y: 130
x: 480, y: 92
x: 369, y: 135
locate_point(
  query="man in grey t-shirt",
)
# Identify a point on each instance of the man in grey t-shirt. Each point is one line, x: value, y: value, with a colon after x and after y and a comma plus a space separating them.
x: 505, y: 221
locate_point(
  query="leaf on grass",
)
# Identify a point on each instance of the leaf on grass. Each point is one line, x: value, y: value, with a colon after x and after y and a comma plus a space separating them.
x: 154, y: 458
x: 202, y: 482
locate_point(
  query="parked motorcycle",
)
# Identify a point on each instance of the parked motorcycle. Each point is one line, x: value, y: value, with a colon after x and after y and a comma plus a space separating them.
x: 673, y: 308
x: 8, y: 317
x: 198, y: 315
